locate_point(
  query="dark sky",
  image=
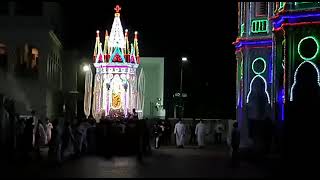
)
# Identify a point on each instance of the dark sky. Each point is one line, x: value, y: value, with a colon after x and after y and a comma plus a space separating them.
x: 201, y: 30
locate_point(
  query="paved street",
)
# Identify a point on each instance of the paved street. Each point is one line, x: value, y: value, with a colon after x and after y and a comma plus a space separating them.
x: 165, y: 162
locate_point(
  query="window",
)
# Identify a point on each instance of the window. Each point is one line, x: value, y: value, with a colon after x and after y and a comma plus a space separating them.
x: 34, y: 58
x: 27, y: 60
x: 3, y: 57
x: 261, y: 8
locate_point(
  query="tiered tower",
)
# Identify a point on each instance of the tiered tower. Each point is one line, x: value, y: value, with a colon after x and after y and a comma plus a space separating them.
x: 115, y: 91
x: 254, y: 65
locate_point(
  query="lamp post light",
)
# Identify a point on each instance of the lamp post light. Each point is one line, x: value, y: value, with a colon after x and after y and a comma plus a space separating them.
x: 183, y: 60
x: 86, y: 68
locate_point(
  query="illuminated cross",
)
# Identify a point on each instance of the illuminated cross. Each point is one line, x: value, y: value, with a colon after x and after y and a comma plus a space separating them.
x: 117, y: 8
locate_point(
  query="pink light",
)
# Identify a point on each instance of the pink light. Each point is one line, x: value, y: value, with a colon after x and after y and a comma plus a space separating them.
x: 112, y: 67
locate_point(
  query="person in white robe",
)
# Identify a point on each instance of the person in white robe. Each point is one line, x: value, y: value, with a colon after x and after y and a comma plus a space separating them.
x: 35, y: 125
x: 200, y: 132
x: 4, y: 122
x: 180, y: 133
x: 48, y: 130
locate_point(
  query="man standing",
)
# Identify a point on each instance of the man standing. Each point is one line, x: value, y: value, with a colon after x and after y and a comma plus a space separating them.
x: 35, y: 125
x: 4, y: 132
x: 235, y: 142
x: 200, y: 132
x: 192, y: 129
x: 135, y: 114
x: 218, y: 132
x: 157, y: 132
x: 48, y: 129
x: 180, y: 132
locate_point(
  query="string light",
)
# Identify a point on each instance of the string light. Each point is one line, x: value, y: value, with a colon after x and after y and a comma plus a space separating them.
x: 110, y: 61
x: 242, y: 30
x: 265, y: 88
x: 277, y: 23
x: 264, y: 65
x: 242, y: 43
x: 282, y: 4
x: 295, y: 24
x: 299, y: 48
x: 259, y: 26
x: 295, y: 77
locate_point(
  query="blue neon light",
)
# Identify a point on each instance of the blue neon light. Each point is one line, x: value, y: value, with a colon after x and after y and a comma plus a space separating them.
x: 281, y: 100
x: 271, y: 69
x: 277, y: 23
x: 264, y: 42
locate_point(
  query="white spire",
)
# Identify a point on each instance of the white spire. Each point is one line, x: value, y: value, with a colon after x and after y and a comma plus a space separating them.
x: 116, y: 38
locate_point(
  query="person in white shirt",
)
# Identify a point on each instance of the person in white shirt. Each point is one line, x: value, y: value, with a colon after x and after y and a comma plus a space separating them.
x: 201, y: 132
x: 180, y: 133
x: 218, y: 132
x: 48, y: 130
x: 35, y: 125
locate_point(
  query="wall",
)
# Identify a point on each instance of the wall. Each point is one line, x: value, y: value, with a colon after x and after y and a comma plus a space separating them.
x: 30, y: 93
x: 154, y: 85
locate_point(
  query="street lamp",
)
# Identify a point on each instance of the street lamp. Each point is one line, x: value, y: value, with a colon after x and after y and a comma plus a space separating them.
x: 86, y: 68
x: 183, y: 59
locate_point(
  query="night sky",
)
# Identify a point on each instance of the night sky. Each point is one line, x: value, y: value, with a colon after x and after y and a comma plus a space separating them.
x: 201, y: 30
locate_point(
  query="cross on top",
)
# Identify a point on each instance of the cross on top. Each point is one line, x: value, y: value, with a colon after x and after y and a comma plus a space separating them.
x: 117, y: 8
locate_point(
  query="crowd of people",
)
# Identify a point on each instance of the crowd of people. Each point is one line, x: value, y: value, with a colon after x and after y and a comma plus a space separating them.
x: 66, y: 138
x: 197, y: 131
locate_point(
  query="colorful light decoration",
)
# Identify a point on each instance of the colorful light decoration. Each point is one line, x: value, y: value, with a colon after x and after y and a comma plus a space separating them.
x: 260, y: 26
x: 251, y: 43
x: 265, y: 88
x: 282, y: 4
x: 258, y: 75
x: 299, y: 48
x: 298, y: 3
x: 264, y: 65
x: 115, y: 87
x: 281, y: 102
x: 306, y: 60
x: 295, y: 77
x: 282, y: 18
x: 242, y: 30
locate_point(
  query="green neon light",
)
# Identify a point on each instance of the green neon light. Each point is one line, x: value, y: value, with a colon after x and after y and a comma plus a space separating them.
x: 260, y: 25
x: 281, y: 5
x: 315, y: 54
x: 298, y: 3
x: 264, y: 66
x: 242, y: 30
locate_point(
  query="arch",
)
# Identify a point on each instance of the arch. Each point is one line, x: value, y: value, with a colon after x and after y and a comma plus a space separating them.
x: 265, y: 88
x: 295, y: 77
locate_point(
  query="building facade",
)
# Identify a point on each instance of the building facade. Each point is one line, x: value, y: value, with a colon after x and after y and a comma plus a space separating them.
x: 31, y: 56
x: 277, y: 52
